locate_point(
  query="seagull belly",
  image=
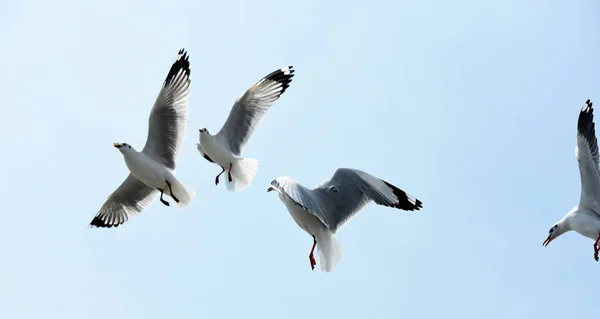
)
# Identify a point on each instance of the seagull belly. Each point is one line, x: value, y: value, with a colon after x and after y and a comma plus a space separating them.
x: 586, y: 224
x: 303, y: 218
x: 148, y: 171
x: 218, y: 153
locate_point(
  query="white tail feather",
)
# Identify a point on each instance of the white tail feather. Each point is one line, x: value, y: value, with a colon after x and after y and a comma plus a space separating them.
x: 183, y: 193
x: 243, y: 172
x: 330, y: 252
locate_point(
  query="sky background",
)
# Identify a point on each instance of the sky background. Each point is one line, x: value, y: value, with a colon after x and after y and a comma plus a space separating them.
x: 470, y: 106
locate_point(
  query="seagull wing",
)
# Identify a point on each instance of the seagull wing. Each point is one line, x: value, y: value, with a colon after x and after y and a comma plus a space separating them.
x: 587, y: 156
x: 341, y: 198
x: 302, y: 196
x: 251, y: 107
x: 131, y: 198
x: 167, y: 122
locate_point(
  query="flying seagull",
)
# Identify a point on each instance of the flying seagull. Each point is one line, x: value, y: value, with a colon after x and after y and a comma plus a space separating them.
x: 151, y: 170
x: 322, y: 211
x: 225, y: 147
x: 585, y: 218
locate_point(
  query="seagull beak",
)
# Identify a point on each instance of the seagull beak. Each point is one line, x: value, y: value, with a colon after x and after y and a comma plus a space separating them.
x: 117, y: 145
x: 270, y: 189
x: 547, y: 241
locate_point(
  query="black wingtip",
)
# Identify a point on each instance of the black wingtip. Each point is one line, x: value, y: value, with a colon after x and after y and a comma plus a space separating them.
x: 97, y: 222
x: 404, y: 201
x: 585, y: 123
x: 586, y: 126
x: 589, y: 106
x: 419, y: 204
x: 283, y: 76
x: 182, y: 63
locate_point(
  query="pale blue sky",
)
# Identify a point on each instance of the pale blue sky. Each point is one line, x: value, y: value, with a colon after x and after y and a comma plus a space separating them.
x: 471, y: 106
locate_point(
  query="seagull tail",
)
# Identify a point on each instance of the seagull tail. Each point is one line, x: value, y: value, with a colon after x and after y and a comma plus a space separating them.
x: 330, y: 252
x: 183, y: 193
x: 243, y: 172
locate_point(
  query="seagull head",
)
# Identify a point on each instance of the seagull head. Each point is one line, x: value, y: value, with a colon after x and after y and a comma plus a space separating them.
x: 271, y: 188
x: 555, y: 231
x: 204, y: 135
x: 123, y: 147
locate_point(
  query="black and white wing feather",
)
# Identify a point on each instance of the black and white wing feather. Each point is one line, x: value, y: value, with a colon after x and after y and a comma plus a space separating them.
x: 336, y: 201
x: 167, y: 123
x: 131, y: 198
x: 587, y: 156
x: 251, y: 107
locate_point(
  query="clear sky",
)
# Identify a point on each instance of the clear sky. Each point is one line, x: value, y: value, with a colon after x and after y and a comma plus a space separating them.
x: 470, y: 106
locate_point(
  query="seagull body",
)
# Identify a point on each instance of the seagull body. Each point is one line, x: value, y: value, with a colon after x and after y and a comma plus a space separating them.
x: 219, y: 153
x: 322, y: 211
x: 224, y: 148
x: 584, y: 218
x: 147, y: 170
x: 151, y: 170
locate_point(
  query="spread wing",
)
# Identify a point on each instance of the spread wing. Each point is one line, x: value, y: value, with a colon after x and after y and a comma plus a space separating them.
x: 587, y: 156
x: 167, y: 121
x: 303, y: 197
x: 335, y: 202
x: 251, y: 107
x: 131, y: 198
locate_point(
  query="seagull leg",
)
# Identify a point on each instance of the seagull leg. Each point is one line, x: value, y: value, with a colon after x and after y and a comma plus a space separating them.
x: 171, y: 191
x: 596, y: 248
x: 161, y: 199
x: 311, y: 257
x: 217, y: 178
x: 229, y: 173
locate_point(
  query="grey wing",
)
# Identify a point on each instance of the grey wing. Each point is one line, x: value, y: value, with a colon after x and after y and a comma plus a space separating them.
x: 587, y: 156
x: 302, y: 196
x: 167, y: 122
x: 251, y: 107
x: 131, y: 198
x: 349, y: 190
x: 384, y: 193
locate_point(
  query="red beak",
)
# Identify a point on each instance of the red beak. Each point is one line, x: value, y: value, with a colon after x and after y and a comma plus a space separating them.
x: 270, y: 189
x: 547, y: 241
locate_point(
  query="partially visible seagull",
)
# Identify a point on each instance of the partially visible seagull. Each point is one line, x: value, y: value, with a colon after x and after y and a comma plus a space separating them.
x: 322, y: 211
x: 225, y: 147
x: 151, y: 170
x: 585, y: 218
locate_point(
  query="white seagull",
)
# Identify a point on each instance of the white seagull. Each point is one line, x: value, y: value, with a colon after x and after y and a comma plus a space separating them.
x: 322, y: 211
x: 151, y: 170
x: 225, y: 147
x: 585, y: 218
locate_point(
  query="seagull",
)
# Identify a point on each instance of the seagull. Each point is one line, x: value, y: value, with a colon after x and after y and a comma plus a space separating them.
x: 152, y: 169
x: 225, y: 147
x: 322, y: 211
x: 585, y: 218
